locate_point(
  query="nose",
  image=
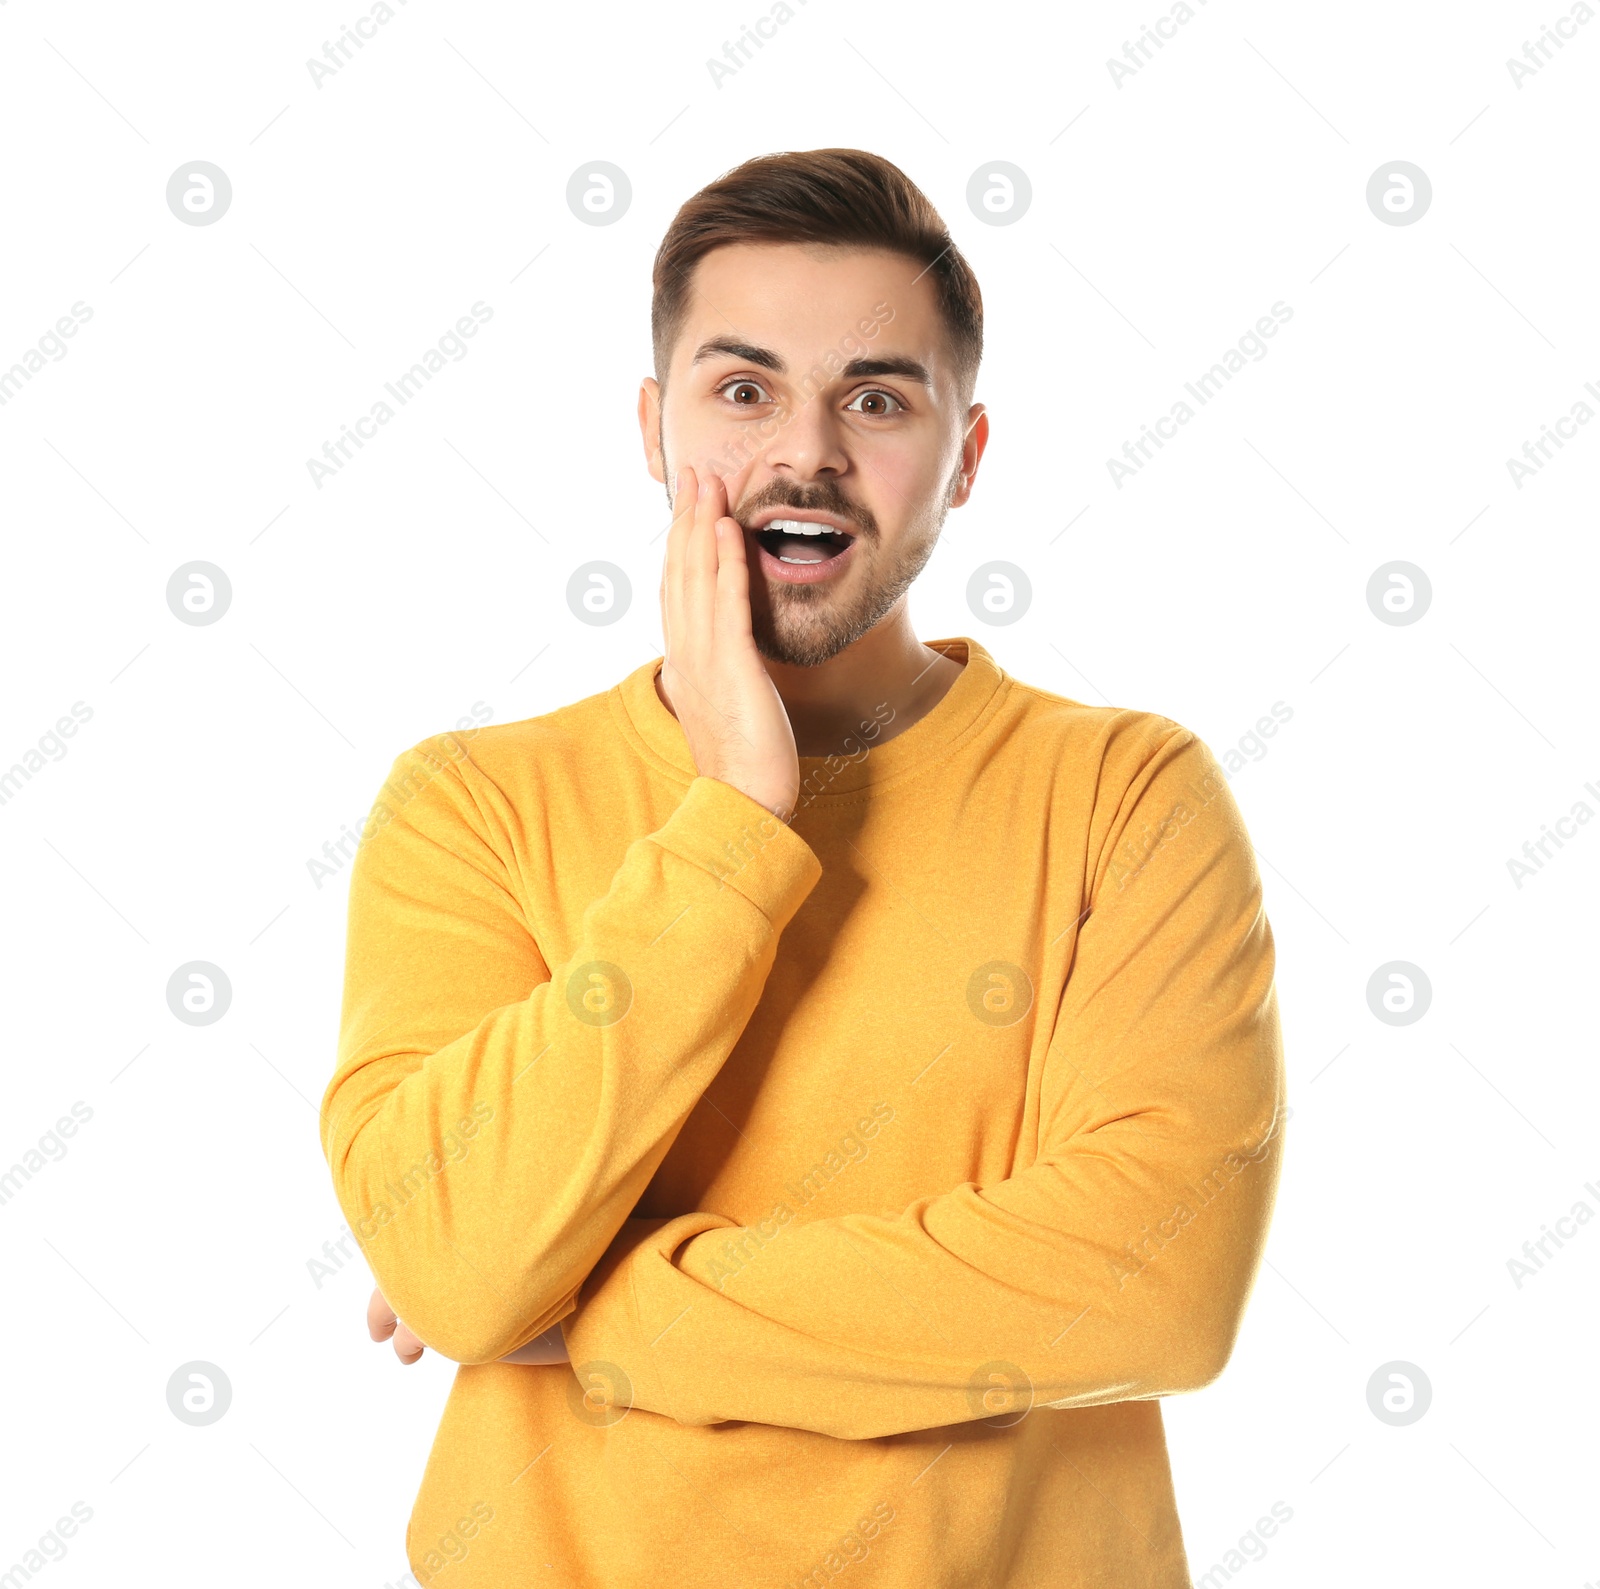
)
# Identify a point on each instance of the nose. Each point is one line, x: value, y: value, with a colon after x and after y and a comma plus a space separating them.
x: 809, y: 443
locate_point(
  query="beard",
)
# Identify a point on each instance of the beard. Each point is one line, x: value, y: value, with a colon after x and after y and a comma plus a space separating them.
x: 807, y: 625
x: 803, y: 626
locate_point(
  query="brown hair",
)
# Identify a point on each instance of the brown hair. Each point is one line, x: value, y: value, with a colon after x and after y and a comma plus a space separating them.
x: 845, y: 197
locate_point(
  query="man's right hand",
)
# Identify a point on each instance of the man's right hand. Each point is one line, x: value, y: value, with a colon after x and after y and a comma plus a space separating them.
x: 720, y: 691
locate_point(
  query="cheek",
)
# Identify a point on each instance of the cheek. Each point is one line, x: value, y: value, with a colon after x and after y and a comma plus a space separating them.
x: 700, y: 441
x: 901, y: 482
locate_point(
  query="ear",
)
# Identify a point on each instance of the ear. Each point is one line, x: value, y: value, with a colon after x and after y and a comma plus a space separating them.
x: 971, y: 451
x: 650, y: 428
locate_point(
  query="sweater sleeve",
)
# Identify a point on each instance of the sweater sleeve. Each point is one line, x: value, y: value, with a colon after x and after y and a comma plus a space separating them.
x: 493, y: 1119
x: 1116, y: 1266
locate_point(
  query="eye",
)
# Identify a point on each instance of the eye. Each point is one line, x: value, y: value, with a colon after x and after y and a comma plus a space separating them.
x: 880, y: 397
x: 741, y: 388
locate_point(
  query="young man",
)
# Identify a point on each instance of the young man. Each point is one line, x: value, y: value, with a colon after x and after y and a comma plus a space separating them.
x: 865, y: 1067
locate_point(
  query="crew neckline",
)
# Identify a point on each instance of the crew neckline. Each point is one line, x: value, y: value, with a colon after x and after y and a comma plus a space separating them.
x: 976, y: 690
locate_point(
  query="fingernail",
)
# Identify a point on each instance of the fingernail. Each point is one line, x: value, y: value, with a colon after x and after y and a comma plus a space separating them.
x: 677, y: 483
x: 705, y: 485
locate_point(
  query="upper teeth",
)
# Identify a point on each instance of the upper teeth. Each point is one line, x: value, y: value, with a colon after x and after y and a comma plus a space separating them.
x: 799, y: 527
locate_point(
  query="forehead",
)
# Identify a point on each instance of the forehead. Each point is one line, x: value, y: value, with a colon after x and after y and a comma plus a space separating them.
x: 801, y: 299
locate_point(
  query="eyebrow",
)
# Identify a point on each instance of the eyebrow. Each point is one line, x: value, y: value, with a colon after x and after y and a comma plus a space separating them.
x: 856, y: 369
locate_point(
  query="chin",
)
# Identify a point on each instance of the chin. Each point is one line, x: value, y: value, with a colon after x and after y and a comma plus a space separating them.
x: 806, y: 634
x: 799, y: 650
x: 805, y: 626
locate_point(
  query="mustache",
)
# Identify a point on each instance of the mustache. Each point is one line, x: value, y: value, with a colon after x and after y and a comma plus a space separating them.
x: 824, y: 499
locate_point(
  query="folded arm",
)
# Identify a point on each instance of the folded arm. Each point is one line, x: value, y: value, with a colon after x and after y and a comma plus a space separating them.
x: 1116, y: 1266
x: 493, y: 1120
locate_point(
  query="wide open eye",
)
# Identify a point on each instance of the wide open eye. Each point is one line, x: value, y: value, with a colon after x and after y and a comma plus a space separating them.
x: 738, y: 392
x: 879, y: 396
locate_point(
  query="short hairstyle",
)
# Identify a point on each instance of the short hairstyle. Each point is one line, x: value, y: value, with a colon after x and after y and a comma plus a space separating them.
x: 842, y: 197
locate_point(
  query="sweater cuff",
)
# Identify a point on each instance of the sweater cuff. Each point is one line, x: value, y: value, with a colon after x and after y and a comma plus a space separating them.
x: 724, y: 832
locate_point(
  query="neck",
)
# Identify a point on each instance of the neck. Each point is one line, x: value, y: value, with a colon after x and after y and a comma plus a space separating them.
x: 888, y: 667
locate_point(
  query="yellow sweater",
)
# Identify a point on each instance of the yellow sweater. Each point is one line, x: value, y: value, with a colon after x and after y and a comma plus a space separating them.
x: 883, y: 1170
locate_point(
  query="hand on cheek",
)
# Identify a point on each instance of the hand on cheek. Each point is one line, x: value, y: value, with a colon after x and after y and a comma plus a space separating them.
x: 724, y: 699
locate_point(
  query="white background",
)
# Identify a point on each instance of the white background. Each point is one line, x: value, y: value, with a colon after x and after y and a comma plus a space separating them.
x: 1168, y: 214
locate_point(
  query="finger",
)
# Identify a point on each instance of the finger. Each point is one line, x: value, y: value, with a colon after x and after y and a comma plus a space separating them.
x: 735, y: 483
x: 700, y: 563
x: 683, y: 506
x: 733, y: 580
x: 406, y: 1345
x: 380, y: 1317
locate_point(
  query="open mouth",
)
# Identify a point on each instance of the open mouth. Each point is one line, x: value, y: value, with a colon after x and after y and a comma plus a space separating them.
x: 801, y: 544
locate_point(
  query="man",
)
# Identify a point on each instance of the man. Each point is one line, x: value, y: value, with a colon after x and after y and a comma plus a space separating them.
x: 863, y: 1066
